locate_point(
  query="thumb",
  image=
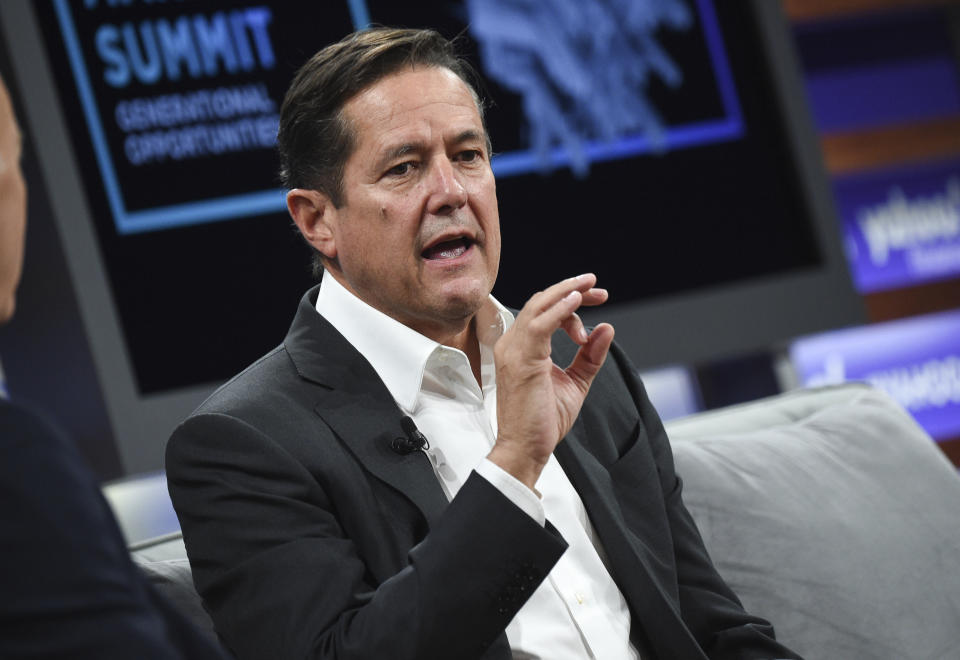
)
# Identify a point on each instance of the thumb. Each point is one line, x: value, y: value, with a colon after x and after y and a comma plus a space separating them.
x: 591, y: 356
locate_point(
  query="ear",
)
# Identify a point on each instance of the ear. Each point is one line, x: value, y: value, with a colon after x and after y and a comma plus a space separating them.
x: 315, y: 216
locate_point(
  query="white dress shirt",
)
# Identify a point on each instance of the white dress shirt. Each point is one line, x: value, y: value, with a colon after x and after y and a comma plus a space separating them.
x: 578, y: 611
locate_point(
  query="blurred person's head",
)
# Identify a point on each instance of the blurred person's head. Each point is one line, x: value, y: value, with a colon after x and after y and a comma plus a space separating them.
x: 13, y: 206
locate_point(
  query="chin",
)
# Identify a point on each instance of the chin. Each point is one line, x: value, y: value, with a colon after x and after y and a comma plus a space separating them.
x: 463, y: 304
x: 461, y: 308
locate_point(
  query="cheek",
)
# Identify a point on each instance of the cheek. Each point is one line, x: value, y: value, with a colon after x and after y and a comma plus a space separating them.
x: 495, y: 256
x: 394, y: 210
x: 399, y: 222
x: 489, y: 215
x: 484, y: 194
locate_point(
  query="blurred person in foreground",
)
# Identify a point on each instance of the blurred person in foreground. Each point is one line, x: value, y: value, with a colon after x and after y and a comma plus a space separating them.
x: 415, y: 472
x: 69, y: 588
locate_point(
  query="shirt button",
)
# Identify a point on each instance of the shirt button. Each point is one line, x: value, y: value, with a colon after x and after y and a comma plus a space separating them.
x: 580, y: 598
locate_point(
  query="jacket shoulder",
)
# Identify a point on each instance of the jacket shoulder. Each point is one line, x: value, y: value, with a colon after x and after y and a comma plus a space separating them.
x: 267, y: 384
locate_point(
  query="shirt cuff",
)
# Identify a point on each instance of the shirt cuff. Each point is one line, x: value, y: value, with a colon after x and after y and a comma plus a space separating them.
x: 512, y: 489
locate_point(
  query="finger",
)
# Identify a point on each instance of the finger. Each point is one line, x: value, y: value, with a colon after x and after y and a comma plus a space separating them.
x: 591, y: 356
x: 550, y: 296
x: 548, y: 320
x: 595, y: 296
x: 573, y: 326
x: 554, y: 307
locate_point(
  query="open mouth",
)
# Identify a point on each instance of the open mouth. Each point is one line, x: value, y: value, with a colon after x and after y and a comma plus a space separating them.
x: 448, y: 249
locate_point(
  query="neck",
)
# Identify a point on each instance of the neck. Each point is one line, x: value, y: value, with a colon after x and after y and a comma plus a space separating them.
x: 460, y: 333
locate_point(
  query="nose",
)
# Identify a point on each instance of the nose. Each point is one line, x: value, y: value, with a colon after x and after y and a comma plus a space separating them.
x: 447, y: 193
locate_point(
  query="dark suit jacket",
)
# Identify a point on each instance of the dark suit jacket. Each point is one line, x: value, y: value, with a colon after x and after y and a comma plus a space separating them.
x: 68, y: 588
x: 310, y: 537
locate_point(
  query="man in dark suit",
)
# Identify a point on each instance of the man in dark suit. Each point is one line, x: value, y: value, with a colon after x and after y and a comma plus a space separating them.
x: 69, y: 588
x: 540, y: 517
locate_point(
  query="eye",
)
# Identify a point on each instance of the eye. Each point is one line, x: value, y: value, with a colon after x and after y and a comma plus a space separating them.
x: 400, y: 169
x: 470, y: 155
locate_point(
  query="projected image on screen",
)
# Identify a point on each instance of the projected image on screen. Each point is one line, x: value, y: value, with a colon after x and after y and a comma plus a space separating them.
x: 171, y: 90
x: 638, y: 140
x: 582, y: 71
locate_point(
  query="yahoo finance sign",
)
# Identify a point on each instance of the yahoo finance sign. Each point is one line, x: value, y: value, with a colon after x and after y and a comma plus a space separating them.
x: 916, y: 361
x: 901, y: 227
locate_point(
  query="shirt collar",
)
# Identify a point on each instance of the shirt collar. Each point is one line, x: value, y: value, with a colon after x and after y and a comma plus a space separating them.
x: 397, y: 353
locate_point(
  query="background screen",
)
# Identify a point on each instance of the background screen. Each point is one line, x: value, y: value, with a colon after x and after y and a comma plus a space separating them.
x: 642, y: 141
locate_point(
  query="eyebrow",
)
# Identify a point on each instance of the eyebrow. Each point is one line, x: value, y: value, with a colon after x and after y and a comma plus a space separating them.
x: 400, y: 150
x: 470, y: 135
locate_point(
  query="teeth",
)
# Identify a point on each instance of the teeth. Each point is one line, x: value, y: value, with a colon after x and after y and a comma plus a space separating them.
x: 448, y: 249
x: 454, y: 253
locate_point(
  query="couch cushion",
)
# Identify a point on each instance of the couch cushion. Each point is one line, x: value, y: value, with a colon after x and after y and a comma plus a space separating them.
x: 840, y: 524
x: 164, y: 561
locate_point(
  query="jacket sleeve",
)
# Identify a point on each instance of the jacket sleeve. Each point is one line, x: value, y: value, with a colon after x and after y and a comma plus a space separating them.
x: 710, y: 609
x: 282, y: 578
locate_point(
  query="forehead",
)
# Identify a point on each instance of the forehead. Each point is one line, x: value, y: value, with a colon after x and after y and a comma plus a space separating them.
x: 409, y: 102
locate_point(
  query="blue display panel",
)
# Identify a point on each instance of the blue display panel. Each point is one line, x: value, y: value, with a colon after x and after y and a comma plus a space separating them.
x: 590, y: 101
x: 673, y: 391
x: 879, y: 68
x: 684, y: 181
x: 901, y: 226
x: 916, y: 361
x: 165, y: 85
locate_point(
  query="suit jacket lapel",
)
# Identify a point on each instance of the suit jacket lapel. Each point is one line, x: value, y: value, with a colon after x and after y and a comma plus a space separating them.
x: 358, y: 407
x: 634, y: 567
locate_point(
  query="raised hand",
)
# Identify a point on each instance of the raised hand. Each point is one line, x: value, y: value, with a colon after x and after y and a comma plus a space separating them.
x: 537, y: 401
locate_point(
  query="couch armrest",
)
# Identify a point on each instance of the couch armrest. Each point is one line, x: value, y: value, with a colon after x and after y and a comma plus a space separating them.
x: 164, y: 561
x: 831, y: 513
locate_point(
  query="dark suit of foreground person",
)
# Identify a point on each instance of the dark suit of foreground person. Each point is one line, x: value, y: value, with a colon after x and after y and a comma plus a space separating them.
x: 310, y: 534
x: 68, y: 588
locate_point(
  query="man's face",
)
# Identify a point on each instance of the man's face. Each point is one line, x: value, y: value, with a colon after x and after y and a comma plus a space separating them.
x: 418, y: 234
